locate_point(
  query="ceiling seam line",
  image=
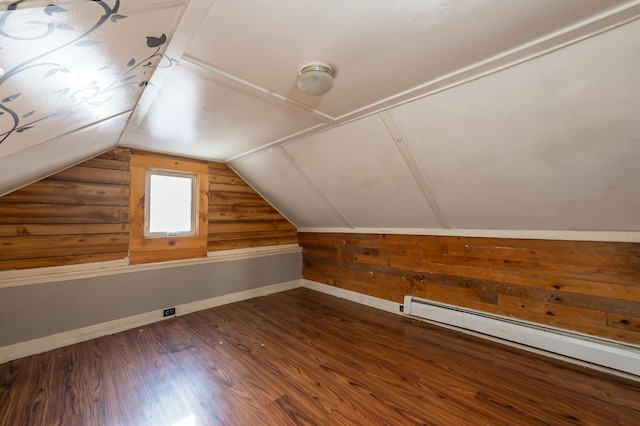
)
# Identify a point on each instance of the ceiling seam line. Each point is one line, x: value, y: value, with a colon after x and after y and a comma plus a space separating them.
x: 494, y: 64
x: 277, y: 143
x: 400, y: 143
x: 315, y: 187
x: 461, y: 77
x: 197, y: 62
x: 176, y: 47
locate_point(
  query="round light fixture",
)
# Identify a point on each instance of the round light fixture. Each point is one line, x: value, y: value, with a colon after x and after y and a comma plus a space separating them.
x: 315, y: 78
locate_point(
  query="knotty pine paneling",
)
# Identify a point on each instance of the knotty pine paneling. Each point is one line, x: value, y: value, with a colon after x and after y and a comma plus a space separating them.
x: 76, y: 216
x: 239, y: 217
x: 590, y: 287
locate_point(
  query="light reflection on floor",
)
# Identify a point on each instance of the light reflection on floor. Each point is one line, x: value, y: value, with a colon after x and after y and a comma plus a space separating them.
x: 187, y: 421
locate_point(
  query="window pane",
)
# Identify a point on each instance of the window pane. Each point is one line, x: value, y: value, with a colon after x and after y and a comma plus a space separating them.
x: 170, y: 204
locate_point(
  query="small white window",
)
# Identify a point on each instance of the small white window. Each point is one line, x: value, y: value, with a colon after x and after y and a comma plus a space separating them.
x: 170, y: 209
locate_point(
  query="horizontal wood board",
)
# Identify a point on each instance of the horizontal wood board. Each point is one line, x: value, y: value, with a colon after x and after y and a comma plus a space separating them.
x: 76, y: 216
x: 589, y: 287
x: 239, y: 217
x: 82, y: 214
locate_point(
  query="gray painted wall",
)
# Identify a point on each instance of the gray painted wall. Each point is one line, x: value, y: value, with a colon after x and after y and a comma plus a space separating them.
x: 32, y: 311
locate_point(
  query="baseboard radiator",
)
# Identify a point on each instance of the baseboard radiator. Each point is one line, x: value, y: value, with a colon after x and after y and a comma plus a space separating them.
x: 599, y: 352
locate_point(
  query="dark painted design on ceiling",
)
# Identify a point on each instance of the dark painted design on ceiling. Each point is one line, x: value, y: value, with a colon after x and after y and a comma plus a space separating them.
x: 54, y: 34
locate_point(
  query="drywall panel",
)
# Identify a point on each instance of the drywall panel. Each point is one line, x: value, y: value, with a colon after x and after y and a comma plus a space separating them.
x: 276, y: 178
x: 32, y: 311
x: 360, y: 170
x: 553, y: 143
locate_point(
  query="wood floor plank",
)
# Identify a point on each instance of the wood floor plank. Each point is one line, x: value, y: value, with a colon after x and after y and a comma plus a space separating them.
x: 305, y: 358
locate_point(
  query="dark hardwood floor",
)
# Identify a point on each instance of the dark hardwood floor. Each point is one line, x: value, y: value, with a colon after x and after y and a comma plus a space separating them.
x: 302, y: 357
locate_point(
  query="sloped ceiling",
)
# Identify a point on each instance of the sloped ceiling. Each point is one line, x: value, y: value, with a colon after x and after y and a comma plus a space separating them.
x: 72, y: 74
x: 444, y: 116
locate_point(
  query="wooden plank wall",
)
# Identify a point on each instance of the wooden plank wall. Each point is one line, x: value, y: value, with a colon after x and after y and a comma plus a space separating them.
x: 76, y: 216
x: 81, y: 215
x: 590, y: 287
x: 239, y: 217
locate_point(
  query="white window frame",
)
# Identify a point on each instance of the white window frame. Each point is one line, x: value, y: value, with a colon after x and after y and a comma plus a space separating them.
x: 194, y: 203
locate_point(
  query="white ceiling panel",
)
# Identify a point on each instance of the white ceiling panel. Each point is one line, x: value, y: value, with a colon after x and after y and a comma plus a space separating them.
x: 553, y: 143
x: 360, y: 170
x: 202, y: 114
x: 380, y: 49
x: 276, y: 178
x: 29, y: 165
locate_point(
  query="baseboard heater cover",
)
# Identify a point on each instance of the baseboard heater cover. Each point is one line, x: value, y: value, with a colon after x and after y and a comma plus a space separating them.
x: 593, y: 350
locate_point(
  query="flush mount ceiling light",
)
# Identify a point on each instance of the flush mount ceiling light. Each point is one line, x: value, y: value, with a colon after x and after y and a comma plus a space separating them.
x: 315, y: 78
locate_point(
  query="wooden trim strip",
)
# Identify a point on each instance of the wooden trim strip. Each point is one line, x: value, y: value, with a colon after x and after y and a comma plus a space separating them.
x: 416, y: 171
x: 612, y: 236
x: 15, y: 278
